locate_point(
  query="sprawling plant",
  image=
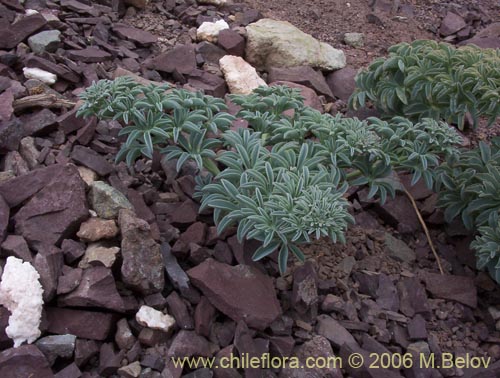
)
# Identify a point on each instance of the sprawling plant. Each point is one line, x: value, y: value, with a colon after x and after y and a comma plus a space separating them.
x: 281, y: 180
x: 469, y: 186
x: 427, y: 79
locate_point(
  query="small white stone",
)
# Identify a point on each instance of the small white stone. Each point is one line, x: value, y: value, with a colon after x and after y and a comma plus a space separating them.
x: 209, y: 31
x: 37, y: 73
x: 154, y: 319
x: 240, y: 76
x: 22, y: 294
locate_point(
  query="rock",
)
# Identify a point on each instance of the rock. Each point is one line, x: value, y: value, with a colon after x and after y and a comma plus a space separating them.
x: 69, y: 281
x: 132, y: 370
x: 451, y: 24
x: 15, y: 245
x: 210, y: 84
x: 455, y: 288
x: 204, y: 316
x: 11, y: 36
x: 181, y: 59
x: 91, y: 159
x: 57, y: 346
x: 318, y: 347
x: 398, y: 249
x: 123, y: 336
x: 38, y: 74
x: 96, y: 229
x: 341, y: 82
x: 25, y: 361
x: 355, y: 40
x: 46, y: 41
x: 49, y: 263
x: 89, y: 55
x: 416, y: 328
x: 412, y: 297
x: 142, y: 267
x: 106, y: 200
x: 138, y: 36
x: 4, y: 218
x: 189, y: 344
x: 303, y: 75
x: 274, y: 43
x: 232, y: 42
x: 97, y: 289
x: 154, y: 319
x: 6, y: 112
x: 305, y: 289
x: 209, y: 31
x: 40, y: 123
x: 55, y: 212
x: 179, y: 311
x: 240, y: 76
x: 334, y: 332
x: 140, y: 4
x: 85, y: 324
x: 21, y: 294
x: 225, y: 285
x: 98, y: 254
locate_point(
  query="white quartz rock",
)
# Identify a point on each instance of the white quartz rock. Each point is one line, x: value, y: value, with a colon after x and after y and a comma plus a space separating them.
x: 37, y: 73
x: 21, y: 293
x: 240, y: 76
x: 154, y: 319
x: 209, y: 31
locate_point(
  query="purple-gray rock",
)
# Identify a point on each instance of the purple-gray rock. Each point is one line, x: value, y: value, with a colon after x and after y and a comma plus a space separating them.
x: 241, y: 292
x: 142, y: 267
x: 56, y: 211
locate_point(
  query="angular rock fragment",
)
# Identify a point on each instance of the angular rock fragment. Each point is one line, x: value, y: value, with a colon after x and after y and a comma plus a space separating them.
x: 225, y: 286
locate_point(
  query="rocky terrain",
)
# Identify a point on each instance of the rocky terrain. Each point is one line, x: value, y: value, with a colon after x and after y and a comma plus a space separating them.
x: 133, y: 275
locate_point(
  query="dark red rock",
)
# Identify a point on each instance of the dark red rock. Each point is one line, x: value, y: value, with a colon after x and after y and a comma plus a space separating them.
x: 91, y: 159
x: 89, y: 55
x: 451, y: 24
x: 204, y: 315
x: 11, y: 133
x: 48, y: 263
x: 455, y: 288
x: 70, y: 280
x: 304, y: 75
x: 84, y: 351
x: 178, y: 309
x: 181, y: 59
x: 142, y: 267
x: 55, y: 212
x: 305, y: 289
x: 70, y: 371
x: 209, y: 83
x: 189, y: 344
x: 341, y: 82
x: 72, y: 250
x: 40, y: 123
x: 4, y: 218
x: 97, y: 289
x: 210, y: 52
x: 14, y: 34
x: 85, y: 324
x: 139, y: 36
x: 225, y: 285
x: 109, y: 360
x: 232, y: 42
x: 24, y: 361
